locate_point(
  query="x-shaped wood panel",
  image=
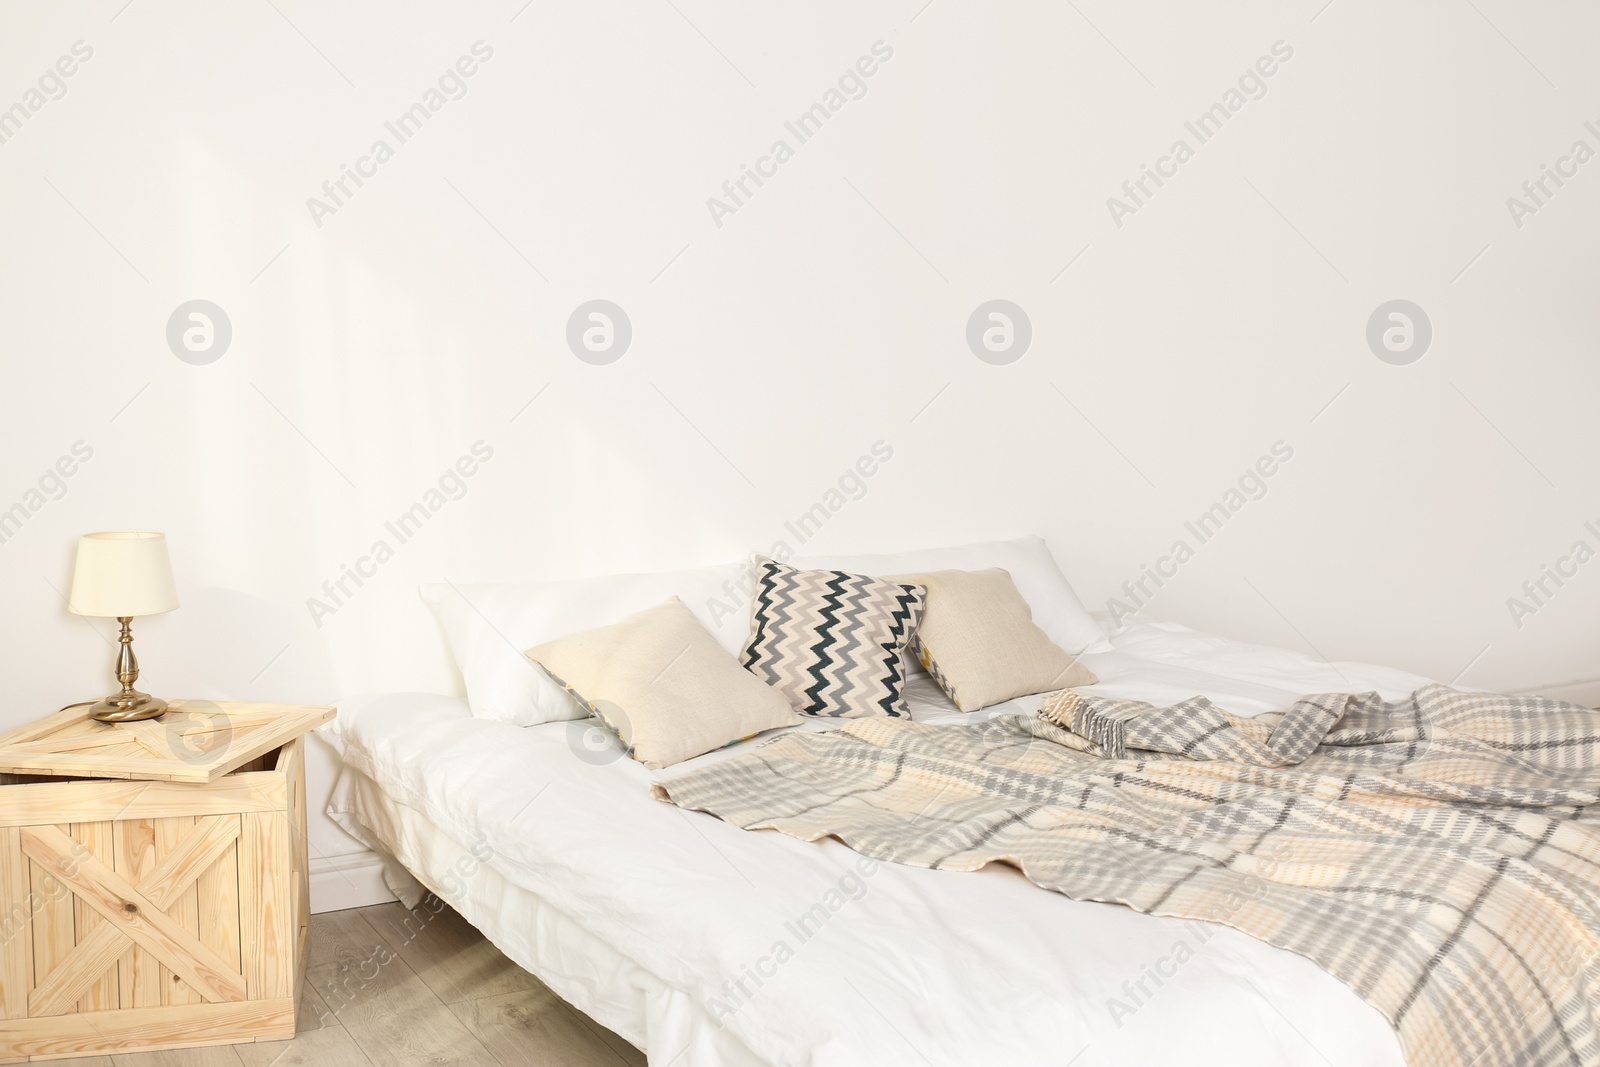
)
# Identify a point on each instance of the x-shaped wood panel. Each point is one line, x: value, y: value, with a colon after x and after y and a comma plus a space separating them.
x: 134, y: 914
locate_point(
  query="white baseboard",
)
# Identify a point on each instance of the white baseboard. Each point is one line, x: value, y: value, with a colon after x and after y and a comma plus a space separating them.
x: 352, y: 881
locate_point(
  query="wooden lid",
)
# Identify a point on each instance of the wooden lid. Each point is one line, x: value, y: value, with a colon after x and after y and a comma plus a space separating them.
x: 193, y: 741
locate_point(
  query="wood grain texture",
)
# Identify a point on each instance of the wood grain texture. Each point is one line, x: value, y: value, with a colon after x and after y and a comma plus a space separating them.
x: 146, y: 1029
x: 137, y: 908
x: 194, y: 741
x: 59, y: 721
x: 211, y: 837
x: 138, y: 970
x: 60, y: 990
x: 72, y: 741
x: 198, y: 1056
x: 266, y: 905
x: 218, y: 892
x: 119, y: 902
x: 16, y: 927
x: 291, y: 762
x: 331, y: 1046
x: 56, y: 802
x: 536, y: 1028
x: 313, y: 1012
x: 388, y: 1010
x: 102, y: 993
x: 184, y: 908
x: 105, y: 943
x: 54, y: 909
x: 528, y: 1026
x: 447, y: 952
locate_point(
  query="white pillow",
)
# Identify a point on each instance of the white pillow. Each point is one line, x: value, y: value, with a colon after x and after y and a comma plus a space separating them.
x: 489, y: 627
x: 1056, y: 608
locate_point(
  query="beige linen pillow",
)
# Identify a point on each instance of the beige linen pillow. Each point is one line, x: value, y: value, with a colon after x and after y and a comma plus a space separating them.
x: 661, y: 681
x: 978, y: 640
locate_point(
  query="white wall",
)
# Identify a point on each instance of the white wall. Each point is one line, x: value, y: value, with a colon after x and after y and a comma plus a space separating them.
x: 828, y: 312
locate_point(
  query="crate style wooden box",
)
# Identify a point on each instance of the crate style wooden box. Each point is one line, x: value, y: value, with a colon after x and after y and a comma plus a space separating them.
x: 153, y: 883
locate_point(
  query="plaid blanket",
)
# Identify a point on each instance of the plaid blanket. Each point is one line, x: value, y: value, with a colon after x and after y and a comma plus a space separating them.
x: 1440, y: 854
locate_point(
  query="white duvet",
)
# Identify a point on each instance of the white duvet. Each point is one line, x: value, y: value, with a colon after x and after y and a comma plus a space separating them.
x: 760, y: 947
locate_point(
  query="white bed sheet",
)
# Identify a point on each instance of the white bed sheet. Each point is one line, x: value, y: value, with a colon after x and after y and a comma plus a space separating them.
x: 680, y: 932
x: 585, y: 971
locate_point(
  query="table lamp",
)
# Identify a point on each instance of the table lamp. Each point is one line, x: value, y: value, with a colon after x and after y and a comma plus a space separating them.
x: 119, y: 575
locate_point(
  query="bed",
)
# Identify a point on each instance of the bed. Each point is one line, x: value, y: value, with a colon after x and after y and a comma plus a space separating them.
x: 705, y: 944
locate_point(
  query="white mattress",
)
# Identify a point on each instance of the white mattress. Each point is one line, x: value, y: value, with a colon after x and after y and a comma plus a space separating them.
x: 680, y: 932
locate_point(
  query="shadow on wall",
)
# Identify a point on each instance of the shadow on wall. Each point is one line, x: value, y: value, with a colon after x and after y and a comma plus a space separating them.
x: 224, y: 644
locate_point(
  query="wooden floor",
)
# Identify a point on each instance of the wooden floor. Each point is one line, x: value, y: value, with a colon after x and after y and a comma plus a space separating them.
x: 387, y: 987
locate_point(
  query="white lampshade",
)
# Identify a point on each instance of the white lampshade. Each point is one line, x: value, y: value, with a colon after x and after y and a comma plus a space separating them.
x: 122, y: 573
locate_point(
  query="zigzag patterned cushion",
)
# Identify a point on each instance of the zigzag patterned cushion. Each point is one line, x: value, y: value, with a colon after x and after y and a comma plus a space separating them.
x: 831, y: 642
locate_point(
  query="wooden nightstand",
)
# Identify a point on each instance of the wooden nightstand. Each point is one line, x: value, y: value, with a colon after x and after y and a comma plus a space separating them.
x: 153, y: 886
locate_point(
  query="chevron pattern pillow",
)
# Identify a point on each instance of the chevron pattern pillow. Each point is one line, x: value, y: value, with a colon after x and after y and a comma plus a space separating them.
x: 831, y: 642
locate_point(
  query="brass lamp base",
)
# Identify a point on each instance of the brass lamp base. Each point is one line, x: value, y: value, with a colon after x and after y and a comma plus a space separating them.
x: 129, y: 706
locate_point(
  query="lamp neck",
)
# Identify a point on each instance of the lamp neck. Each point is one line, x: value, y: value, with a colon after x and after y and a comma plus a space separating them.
x: 127, y: 662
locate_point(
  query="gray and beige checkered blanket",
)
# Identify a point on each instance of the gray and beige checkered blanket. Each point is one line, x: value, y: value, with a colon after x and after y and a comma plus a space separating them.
x: 1440, y: 854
